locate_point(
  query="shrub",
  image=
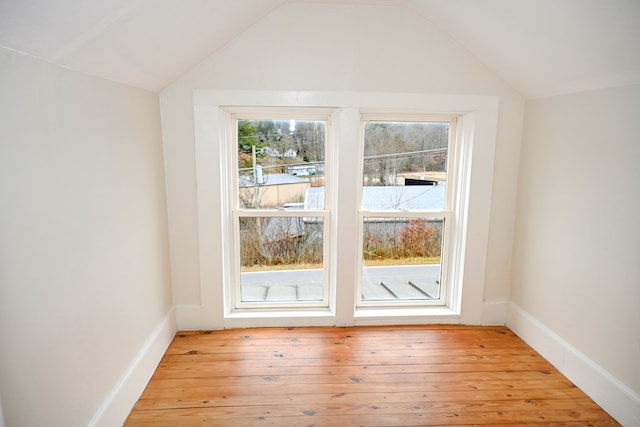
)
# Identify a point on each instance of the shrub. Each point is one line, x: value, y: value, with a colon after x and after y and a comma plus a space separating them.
x: 419, y: 239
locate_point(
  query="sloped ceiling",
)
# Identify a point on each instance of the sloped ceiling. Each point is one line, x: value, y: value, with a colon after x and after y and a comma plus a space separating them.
x: 143, y: 43
x: 547, y: 47
x: 541, y: 47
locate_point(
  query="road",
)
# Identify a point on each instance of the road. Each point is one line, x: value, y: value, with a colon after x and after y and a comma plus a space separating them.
x: 378, y: 283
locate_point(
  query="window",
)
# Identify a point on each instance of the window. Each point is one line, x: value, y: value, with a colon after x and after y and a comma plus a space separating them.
x: 406, y: 210
x: 278, y: 219
x: 305, y: 251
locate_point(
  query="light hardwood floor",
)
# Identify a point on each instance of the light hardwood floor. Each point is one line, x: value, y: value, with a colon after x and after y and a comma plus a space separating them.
x: 369, y: 376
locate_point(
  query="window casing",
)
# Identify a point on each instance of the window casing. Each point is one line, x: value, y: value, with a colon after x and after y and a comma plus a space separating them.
x: 477, y: 117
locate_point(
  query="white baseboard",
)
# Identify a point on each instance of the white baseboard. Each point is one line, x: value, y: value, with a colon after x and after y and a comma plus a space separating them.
x: 494, y: 312
x: 190, y: 318
x: 116, y: 407
x: 195, y: 317
x: 615, y: 397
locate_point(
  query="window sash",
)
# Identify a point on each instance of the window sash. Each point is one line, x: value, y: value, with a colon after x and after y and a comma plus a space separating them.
x: 237, y: 114
x: 236, y: 267
x: 447, y: 213
x: 446, y: 217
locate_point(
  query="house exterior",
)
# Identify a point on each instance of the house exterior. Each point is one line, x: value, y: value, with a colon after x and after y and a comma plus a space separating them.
x: 277, y: 190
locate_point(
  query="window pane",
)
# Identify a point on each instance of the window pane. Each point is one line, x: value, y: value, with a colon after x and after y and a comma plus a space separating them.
x: 279, y: 161
x: 281, y: 259
x: 405, y: 165
x: 402, y: 258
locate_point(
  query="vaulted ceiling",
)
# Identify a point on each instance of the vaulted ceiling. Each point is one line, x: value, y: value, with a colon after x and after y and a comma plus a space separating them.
x: 541, y: 47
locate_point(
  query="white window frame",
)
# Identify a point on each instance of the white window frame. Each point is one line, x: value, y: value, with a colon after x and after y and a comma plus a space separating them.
x: 477, y: 122
x: 230, y: 153
x: 446, y: 213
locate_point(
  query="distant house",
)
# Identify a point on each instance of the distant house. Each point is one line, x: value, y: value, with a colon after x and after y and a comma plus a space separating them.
x: 297, y: 170
x: 275, y: 189
x: 274, y: 152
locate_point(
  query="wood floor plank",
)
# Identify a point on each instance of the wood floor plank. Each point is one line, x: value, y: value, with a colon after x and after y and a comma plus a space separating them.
x: 425, y: 381
x: 387, y: 376
x: 426, y: 348
x: 387, y: 420
x: 216, y: 397
x: 341, y: 408
x: 295, y: 352
x: 227, y: 369
x: 499, y: 410
x: 284, y: 358
x: 212, y: 344
x: 430, y: 389
x: 479, y: 375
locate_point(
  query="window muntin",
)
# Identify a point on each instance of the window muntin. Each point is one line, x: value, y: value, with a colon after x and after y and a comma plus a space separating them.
x: 405, y: 211
x: 279, y: 216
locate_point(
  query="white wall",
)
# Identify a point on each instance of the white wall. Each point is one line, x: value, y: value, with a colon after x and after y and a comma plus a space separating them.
x: 576, y: 269
x: 84, y: 277
x: 335, y: 47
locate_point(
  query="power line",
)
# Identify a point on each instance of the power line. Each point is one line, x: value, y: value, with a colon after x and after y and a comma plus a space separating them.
x: 406, y: 154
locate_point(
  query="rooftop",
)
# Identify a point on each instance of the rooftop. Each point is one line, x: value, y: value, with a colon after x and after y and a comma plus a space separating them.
x: 412, y: 197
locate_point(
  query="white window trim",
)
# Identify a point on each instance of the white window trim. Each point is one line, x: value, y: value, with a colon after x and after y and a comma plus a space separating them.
x: 477, y: 116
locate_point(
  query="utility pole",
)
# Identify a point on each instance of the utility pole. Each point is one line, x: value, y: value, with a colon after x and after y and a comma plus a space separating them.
x: 256, y: 188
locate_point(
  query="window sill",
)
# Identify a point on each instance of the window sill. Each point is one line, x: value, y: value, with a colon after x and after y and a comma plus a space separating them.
x: 282, y: 318
x: 412, y: 315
